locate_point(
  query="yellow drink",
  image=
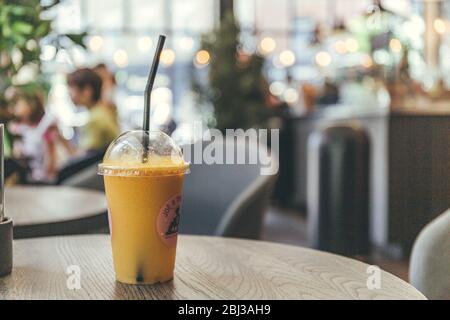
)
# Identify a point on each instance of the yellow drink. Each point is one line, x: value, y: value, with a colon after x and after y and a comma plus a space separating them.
x: 144, y: 202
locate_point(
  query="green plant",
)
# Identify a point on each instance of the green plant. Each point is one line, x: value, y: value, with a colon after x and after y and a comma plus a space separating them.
x: 236, y: 82
x: 22, y: 27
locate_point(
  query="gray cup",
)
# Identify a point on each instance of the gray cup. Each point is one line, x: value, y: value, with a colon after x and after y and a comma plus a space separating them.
x: 6, y: 247
x: 6, y: 224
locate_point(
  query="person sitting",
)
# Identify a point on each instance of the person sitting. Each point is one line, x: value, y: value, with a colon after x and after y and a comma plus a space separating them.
x: 37, y: 135
x: 85, y: 89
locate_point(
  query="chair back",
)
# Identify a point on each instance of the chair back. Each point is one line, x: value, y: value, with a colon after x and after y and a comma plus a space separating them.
x: 226, y: 199
x: 430, y: 259
x: 78, y: 164
x: 87, y: 178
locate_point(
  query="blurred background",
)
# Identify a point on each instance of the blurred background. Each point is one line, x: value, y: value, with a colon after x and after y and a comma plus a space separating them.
x: 315, y: 53
x: 382, y: 67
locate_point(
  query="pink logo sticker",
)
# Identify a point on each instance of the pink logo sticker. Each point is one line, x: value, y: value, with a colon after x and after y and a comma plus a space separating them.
x: 168, y: 220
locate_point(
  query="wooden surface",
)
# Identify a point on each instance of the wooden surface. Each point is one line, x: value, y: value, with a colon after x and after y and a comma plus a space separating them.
x: 54, y: 210
x: 206, y: 268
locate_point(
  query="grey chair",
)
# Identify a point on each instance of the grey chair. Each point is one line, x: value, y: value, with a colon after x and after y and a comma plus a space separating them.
x: 226, y: 199
x: 86, y: 178
x: 430, y: 259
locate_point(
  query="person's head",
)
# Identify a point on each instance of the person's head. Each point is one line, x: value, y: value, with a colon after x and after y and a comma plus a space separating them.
x: 85, y: 87
x: 28, y: 108
x: 103, y: 71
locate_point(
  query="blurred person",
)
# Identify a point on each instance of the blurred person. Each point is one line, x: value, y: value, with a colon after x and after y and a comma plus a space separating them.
x: 85, y: 89
x: 108, y: 85
x: 329, y: 94
x: 38, y: 135
x: 13, y: 171
x: 309, y: 95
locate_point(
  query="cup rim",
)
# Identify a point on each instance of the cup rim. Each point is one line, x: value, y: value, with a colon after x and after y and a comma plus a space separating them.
x: 6, y: 220
x: 114, y: 170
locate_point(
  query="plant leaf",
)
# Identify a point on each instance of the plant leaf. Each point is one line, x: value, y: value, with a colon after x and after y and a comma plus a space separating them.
x: 43, y: 29
x: 22, y: 27
x: 77, y: 38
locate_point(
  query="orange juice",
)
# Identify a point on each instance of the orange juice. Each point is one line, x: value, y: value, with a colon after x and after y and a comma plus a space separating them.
x: 143, y: 174
x: 144, y: 212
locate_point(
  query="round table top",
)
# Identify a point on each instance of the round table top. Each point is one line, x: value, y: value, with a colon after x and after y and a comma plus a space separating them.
x: 206, y: 268
x: 46, y: 210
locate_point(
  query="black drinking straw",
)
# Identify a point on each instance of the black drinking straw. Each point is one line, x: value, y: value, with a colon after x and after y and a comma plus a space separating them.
x: 148, y: 93
x: 150, y: 81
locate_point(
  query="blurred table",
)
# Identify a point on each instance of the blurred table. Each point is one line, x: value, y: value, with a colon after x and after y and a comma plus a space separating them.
x: 206, y: 268
x: 39, y: 211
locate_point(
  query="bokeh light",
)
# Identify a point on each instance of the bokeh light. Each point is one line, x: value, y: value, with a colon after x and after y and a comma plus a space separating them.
x: 31, y: 45
x: 440, y: 26
x: 187, y: 43
x: 267, y: 45
x: 340, y: 47
x: 395, y: 45
x: 48, y: 53
x: 381, y: 56
x: 145, y: 43
x: 351, y: 45
x: 277, y: 88
x: 287, y: 58
x: 366, y: 61
x: 291, y: 95
x: 167, y: 57
x: 121, y: 58
x: 96, y: 43
x: 202, y: 58
x: 323, y: 59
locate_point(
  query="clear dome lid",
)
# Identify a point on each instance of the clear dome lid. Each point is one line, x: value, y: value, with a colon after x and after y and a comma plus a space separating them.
x: 143, y: 153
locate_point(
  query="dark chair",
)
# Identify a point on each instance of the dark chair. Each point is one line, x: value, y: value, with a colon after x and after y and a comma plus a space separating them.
x: 13, y: 166
x: 78, y: 164
x: 226, y: 199
x: 338, y: 189
x: 86, y: 178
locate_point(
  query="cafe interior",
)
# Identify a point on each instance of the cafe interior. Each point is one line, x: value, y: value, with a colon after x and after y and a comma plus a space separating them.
x: 353, y: 94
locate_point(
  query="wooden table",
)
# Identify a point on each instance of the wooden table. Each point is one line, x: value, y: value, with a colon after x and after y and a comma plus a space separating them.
x: 39, y: 211
x: 206, y: 268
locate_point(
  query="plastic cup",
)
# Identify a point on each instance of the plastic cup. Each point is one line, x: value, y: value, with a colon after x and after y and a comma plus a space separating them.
x: 143, y: 175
